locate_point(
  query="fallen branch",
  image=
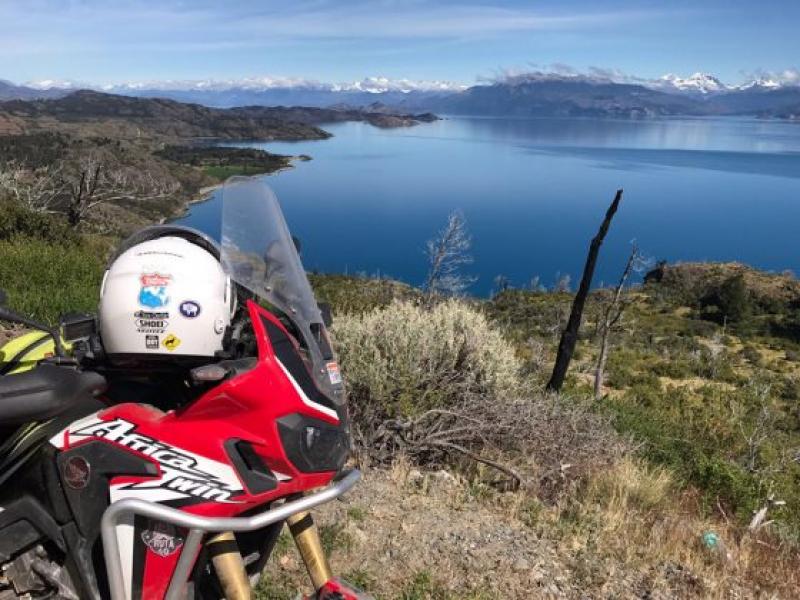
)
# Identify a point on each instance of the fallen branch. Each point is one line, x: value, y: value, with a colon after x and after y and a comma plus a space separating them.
x: 491, y: 463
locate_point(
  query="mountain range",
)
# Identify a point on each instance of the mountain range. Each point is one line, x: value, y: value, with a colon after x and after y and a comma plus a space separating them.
x: 529, y: 95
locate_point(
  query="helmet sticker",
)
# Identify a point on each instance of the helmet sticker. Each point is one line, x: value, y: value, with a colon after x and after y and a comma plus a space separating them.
x: 171, y: 342
x: 189, y: 309
x: 151, y: 322
x: 151, y: 342
x: 153, y: 293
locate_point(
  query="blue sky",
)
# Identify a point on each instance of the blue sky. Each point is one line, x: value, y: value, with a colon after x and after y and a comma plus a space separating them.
x: 340, y: 40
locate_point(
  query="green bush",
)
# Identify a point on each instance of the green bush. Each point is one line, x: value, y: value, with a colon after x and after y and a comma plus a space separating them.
x: 16, y: 221
x: 645, y: 394
x: 724, y: 479
x: 44, y: 280
x: 675, y: 368
x: 406, y: 358
x: 733, y: 299
x: 751, y: 355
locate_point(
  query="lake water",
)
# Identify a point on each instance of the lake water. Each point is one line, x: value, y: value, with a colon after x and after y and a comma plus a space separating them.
x: 534, y: 192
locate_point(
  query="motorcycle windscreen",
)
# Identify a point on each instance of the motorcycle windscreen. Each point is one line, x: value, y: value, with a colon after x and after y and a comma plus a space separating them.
x: 259, y: 253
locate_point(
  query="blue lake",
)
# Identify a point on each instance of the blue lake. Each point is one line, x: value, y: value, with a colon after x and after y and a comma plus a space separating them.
x: 534, y: 192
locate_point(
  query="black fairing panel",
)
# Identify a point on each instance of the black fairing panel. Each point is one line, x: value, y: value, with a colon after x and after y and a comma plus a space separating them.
x: 250, y: 467
x: 104, y: 461
x: 38, y: 505
x: 312, y: 445
x: 285, y: 351
x: 22, y: 523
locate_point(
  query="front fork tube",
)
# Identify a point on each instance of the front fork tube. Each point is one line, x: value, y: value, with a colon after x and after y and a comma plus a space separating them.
x: 229, y: 566
x: 306, y: 536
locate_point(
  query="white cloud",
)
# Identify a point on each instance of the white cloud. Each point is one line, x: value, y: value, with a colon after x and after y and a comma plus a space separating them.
x: 790, y: 76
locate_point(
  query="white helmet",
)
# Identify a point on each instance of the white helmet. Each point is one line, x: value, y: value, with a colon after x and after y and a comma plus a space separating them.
x: 165, y: 295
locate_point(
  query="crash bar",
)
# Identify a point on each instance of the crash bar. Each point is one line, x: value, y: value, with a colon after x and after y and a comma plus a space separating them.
x: 197, y: 526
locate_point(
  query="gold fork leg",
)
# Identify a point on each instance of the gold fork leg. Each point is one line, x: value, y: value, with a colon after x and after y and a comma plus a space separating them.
x: 306, y: 536
x: 229, y: 566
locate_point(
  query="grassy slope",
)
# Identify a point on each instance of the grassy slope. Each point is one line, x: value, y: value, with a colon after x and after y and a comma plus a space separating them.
x: 717, y: 404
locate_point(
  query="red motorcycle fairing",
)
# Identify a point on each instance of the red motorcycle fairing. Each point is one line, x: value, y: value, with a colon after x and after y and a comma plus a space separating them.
x: 239, y: 446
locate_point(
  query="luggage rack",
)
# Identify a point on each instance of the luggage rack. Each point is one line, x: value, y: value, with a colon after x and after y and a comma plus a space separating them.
x: 198, y: 526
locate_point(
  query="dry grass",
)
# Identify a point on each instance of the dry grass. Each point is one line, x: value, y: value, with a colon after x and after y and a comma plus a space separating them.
x: 629, y: 532
x: 636, y: 516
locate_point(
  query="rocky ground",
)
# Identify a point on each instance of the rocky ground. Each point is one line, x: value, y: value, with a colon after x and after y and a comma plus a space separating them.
x: 410, y: 535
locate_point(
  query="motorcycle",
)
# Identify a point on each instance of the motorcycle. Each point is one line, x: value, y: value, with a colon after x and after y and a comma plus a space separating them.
x: 184, y: 497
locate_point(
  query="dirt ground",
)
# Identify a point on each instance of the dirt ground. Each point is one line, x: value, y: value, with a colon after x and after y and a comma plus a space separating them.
x: 412, y: 536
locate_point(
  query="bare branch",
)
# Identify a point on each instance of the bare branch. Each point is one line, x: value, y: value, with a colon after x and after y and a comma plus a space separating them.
x: 612, y: 316
x: 447, y: 253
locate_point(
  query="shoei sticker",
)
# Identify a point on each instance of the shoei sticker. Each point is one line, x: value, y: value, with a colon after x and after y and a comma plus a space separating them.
x: 151, y: 342
x: 171, y: 342
x: 151, y: 322
x: 189, y: 309
x: 333, y: 373
x: 153, y: 293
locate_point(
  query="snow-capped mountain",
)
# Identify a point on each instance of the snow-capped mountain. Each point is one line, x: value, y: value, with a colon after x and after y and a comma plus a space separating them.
x: 57, y: 84
x: 266, y: 90
x: 269, y: 90
x: 698, y: 83
x: 216, y: 85
x: 381, y: 85
x: 561, y: 92
x: 765, y: 83
x: 373, y: 85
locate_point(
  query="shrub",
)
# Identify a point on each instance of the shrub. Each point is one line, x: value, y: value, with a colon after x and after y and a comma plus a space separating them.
x: 441, y: 385
x: 16, y: 221
x: 751, y: 355
x: 405, y: 359
x: 348, y: 294
x: 733, y: 299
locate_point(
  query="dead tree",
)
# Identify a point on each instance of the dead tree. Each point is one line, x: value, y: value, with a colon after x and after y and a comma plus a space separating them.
x: 447, y: 253
x: 94, y: 181
x: 569, y: 337
x: 38, y: 190
x: 611, y: 318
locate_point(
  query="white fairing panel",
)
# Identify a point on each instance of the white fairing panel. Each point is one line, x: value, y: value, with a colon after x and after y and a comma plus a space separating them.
x: 183, y: 475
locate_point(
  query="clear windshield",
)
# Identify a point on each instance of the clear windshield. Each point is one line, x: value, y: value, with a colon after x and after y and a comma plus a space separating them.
x: 258, y: 252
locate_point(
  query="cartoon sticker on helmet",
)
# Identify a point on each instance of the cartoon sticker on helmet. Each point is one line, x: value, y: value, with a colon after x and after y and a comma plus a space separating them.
x: 189, y: 309
x: 171, y: 342
x: 153, y: 293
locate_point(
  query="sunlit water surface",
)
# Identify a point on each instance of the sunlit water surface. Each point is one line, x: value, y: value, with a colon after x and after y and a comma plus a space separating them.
x: 534, y: 192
